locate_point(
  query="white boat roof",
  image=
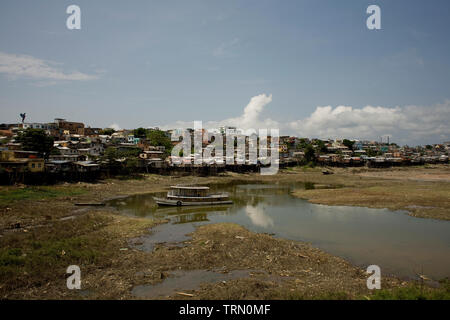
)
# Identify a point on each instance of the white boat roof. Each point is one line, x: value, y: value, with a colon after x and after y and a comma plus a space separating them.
x: 188, y: 187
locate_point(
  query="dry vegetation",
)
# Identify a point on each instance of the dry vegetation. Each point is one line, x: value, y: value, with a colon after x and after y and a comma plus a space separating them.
x: 423, y: 192
x: 42, y: 232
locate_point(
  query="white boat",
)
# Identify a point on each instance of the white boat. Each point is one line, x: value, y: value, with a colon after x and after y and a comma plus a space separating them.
x: 192, y: 196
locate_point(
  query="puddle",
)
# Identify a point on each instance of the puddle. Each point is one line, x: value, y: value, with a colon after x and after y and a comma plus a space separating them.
x: 171, y: 234
x: 180, y: 281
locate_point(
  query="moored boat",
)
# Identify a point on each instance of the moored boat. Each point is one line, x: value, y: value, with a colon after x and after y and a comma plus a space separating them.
x: 192, y: 196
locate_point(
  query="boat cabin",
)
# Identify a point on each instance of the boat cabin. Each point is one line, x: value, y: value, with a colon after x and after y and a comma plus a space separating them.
x: 184, y: 191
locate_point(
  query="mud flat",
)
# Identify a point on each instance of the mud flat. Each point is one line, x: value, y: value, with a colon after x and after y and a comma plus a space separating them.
x: 423, y: 192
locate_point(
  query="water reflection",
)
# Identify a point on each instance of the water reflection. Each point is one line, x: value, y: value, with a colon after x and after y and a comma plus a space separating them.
x: 189, y: 218
x: 398, y: 243
x: 258, y: 217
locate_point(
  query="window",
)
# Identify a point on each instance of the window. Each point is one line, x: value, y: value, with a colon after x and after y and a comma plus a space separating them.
x: 32, y: 165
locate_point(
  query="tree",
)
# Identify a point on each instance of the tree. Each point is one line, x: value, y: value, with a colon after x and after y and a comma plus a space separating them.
x: 110, y: 154
x: 140, y: 132
x: 372, y: 153
x: 310, y: 155
x: 348, y: 143
x: 321, y: 146
x: 36, y: 140
x: 159, y: 138
x: 107, y: 131
x: 302, y: 144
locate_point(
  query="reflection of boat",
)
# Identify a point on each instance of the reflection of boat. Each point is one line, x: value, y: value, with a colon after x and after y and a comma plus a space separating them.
x: 192, y: 196
x: 170, y: 211
x: 188, y: 218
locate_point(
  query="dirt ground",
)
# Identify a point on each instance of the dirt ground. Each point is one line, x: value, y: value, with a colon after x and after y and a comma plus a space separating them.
x: 40, y: 237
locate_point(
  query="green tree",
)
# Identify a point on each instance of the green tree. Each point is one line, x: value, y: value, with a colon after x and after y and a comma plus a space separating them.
x: 159, y: 138
x: 371, y: 152
x: 36, y: 140
x: 302, y: 144
x: 132, y: 164
x: 310, y: 155
x: 140, y: 133
x: 107, y: 131
x: 111, y: 154
x: 321, y: 146
x: 348, y: 143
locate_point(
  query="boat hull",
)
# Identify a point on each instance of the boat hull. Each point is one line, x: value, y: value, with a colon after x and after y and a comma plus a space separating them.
x: 180, y: 203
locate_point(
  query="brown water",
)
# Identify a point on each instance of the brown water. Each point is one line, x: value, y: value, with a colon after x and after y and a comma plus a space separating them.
x: 401, y: 245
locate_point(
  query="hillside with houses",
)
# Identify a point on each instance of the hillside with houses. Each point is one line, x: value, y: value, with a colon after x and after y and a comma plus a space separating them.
x: 66, y: 150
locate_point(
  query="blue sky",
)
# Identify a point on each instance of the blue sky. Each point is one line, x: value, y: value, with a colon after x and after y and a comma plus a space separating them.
x: 150, y: 63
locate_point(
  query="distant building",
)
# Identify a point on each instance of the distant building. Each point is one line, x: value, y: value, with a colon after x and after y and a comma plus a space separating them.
x: 21, y: 161
x: 89, y: 131
x: 71, y: 127
x: 35, y: 125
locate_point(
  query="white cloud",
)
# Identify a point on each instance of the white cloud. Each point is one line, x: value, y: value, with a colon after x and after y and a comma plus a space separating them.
x: 405, y: 125
x: 250, y: 118
x: 15, y: 66
x: 115, y: 126
x: 408, y: 124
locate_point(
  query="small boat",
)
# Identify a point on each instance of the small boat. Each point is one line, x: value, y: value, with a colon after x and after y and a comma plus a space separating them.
x: 192, y: 196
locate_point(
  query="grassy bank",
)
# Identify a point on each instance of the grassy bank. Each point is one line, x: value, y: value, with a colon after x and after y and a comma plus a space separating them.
x: 415, y: 291
x: 33, y: 263
x: 9, y: 195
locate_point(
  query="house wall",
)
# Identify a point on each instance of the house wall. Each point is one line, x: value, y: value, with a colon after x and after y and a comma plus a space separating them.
x: 36, y: 165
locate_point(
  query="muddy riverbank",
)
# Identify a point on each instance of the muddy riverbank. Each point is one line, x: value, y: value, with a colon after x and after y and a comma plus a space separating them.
x: 42, y: 232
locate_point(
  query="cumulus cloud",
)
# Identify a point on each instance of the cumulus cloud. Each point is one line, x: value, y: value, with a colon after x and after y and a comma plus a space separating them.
x: 249, y: 119
x: 15, y: 66
x: 115, y: 126
x: 408, y: 124
x: 405, y: 125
